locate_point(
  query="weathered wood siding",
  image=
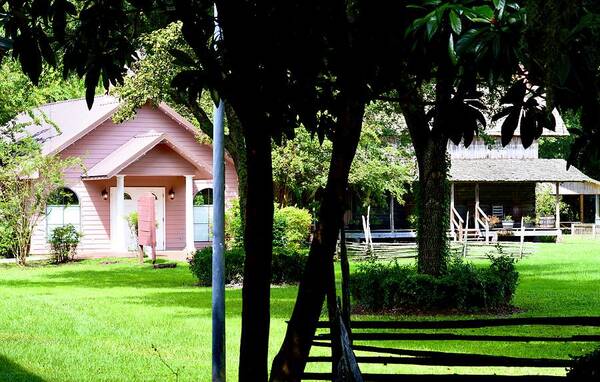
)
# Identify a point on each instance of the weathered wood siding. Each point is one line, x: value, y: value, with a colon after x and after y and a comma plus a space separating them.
x: 573, y: 188
x: 480, y: 150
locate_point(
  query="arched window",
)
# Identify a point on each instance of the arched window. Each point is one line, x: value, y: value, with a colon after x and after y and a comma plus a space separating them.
x: 203, y: 197
x: 203, y: 201
x: 62, y: 209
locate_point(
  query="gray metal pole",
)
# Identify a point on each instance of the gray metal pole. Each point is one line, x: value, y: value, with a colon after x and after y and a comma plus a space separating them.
x: 218, y: 244
x: 218, y: 247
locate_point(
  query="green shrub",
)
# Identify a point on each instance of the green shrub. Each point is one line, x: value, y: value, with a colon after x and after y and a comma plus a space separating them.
x: 201, y: 265
x: 585, y: 367
x: 287, y: 266
x: 291, y: 227
x: 234, y: 234
x: 63, y: 243
x: 389, y: 286
x: 6, y: 239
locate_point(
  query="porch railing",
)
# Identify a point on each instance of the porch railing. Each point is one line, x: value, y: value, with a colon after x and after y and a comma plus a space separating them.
x: 456, y: 222
x: 484, y: 221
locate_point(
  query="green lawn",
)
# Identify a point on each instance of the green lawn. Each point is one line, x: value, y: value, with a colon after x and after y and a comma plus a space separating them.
x: 90, y: 321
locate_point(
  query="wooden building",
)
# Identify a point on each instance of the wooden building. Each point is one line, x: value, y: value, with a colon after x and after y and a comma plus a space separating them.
x: 488, y: 180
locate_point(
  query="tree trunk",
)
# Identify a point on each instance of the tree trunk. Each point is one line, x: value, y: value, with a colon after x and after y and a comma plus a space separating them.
x: 433, y: 207
x: 345, y: 266
x: 258, y: 236
x: 433, y: 193
x: 289, y: 363
x: 236, y: 148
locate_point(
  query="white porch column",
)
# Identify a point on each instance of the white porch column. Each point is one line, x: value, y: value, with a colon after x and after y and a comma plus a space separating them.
x: 557, y: 205
x: 189, y: 213
x: 118, y: 236
x: 597, y: 209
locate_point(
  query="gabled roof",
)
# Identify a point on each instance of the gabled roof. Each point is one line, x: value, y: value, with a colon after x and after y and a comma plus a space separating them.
x: 130, y: 152
x: 62, y: 123
x: 515, y: 170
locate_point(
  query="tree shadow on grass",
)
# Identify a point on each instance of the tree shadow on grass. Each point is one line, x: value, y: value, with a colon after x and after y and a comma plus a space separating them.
x: 281, y: 306
x: 10, y: 371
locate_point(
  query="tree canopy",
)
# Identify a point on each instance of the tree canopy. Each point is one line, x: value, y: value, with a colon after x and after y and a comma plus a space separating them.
x: 383, y: 165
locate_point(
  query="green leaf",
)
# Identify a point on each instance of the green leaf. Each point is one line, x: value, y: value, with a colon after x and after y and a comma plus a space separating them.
x: 455, y: 22
x: 451, y: 51
x: 432, y: 26
x: 5, y: 43
x: 482, y: 12
x: 500, y: 5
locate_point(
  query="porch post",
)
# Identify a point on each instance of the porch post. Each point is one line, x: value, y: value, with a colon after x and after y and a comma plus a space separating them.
x: 557, y: 211
x: 391, y: 213
x: 118, y: 235
x: 451, y: 204
x: 476, y: 205
x: 189, y: 213
x: 597, y: 209
x: 581, y: 208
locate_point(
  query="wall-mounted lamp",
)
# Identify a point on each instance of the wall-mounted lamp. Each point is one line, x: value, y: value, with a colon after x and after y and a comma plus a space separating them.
x: 171, y: 194
x: 104, y: 194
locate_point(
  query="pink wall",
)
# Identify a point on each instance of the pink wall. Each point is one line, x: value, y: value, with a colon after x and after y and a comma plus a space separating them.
x: 160, y: 167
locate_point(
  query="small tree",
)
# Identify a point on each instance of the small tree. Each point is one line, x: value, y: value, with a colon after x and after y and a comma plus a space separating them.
x: 26, y: 182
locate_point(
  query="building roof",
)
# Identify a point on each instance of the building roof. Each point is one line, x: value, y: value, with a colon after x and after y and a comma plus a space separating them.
x: 515, y: 170
x: 495, y: 128
x: 133, y: 150
x: 62, y: 123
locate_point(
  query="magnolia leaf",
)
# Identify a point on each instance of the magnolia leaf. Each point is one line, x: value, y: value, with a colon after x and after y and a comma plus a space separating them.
x: 451, y: 51
x: 502, y: 113
x: 5, y: 43
x: 432, y: 26
x: 515, y: 94
x: 455, y: 22
x: 528, y: 128
x: 182, y: 58
x: 509, y: 125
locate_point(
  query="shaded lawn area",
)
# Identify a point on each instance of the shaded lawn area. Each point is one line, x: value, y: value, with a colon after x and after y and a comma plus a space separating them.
x: 89, y: 321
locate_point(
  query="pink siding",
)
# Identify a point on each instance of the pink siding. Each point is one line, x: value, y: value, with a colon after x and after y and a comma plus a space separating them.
x: 163, y: 161
x: 161, y: 167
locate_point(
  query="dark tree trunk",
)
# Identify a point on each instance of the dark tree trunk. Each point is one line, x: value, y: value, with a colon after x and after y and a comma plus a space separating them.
x: 433, y: 205
x: 236, y: 148
x: 345, y: 266
x: 258, y: 236
x: 433, y: 194
x: 289, y: 363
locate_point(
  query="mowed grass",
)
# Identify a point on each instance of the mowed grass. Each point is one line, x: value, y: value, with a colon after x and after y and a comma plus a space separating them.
x: 92, y: 321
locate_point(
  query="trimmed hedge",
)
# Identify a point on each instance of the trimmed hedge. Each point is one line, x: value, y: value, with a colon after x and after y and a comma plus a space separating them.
x: 287, y: 265
x: 389, y: 286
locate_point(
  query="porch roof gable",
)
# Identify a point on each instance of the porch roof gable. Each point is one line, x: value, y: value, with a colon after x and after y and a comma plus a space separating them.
x: 516, y: 170
x: 133, y: 150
